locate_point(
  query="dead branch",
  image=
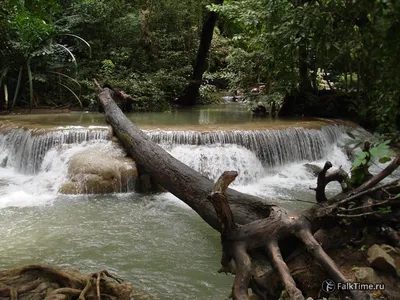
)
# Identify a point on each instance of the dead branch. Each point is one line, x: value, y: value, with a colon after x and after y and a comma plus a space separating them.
x: 51, y: 283
x: 250, y: 227
x: 357, y: 215
x: 387, y: 201
x: 323, y: 179
x: 355, y: 196
x: 219, y: 199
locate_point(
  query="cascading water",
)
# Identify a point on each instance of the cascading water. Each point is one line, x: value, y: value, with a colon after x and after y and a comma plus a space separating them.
x: 37, y: 159
x: 141, y: 236
x: 272, y: 147
x: 213, y: 160
x: 25, y: 149
x: 34, y: 162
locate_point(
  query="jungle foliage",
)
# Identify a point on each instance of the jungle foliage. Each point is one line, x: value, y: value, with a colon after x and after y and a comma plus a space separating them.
x: 334, y: 58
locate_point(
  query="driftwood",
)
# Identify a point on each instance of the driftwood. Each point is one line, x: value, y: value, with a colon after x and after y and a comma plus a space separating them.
x: 255, y: 233
x: 48, y: 283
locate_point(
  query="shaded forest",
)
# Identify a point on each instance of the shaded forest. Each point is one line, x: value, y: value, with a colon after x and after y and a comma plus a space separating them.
x: 331, y: 58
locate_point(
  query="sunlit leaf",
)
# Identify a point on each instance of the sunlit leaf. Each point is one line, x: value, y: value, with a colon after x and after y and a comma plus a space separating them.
x: 384, y: 159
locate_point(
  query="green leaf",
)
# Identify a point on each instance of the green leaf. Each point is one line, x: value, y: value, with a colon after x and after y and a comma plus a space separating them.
x: 357, y: 162
x: 384, y: 159
x: 362, y: 155
x: 385, y: 209
x: 363, y: 248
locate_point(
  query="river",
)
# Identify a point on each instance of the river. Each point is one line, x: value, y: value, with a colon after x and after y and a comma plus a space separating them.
x: 153, y: 241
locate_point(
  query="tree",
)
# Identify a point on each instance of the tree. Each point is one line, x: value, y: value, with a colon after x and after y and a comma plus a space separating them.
x: 200, y: 66
x: 253, y: 230
x: 313, y: 48
x: 33, y: 49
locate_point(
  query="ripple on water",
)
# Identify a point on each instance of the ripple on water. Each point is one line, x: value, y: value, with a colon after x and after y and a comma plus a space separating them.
x: 170, y: 252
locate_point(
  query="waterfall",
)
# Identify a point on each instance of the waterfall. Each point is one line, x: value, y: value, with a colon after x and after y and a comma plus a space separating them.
x: 272, y: 147
x: 213, y: 160
x: 34, y: 162
x: 24, y: 149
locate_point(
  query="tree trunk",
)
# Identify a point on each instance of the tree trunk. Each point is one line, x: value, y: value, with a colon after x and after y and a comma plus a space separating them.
x: 192, y: 90
x: 173, y: 175
x: 304, y: 78
x: 255, y: 233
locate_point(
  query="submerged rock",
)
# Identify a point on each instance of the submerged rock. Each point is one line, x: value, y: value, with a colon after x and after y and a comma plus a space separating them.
x: 313, y: 169
x: 259, y: 110
x: 99, y: 172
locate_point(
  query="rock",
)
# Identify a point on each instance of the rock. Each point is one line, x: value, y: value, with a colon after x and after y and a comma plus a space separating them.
x: 367, y: 275
x: 379, y: 259
x: 259, y: 110
x: 314, y: 169
x: 391, y: 250
x: 100, y: 172
x: 3, y: 163
x: 395, y: 254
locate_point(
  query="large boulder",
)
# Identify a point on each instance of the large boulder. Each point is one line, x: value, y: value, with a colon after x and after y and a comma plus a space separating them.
x: 96, y: 171
x: 379, y: 259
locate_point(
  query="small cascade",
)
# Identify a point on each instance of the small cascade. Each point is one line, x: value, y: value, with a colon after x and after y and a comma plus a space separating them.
x: 25, y: 149
x: 272, y: 147
x: 37, y: 164
x: 213, y: 160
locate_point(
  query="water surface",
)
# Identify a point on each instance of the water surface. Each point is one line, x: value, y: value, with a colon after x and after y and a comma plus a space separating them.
x: 155, y: 242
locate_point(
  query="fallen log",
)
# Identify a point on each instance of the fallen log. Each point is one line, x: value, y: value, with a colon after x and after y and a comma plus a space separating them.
x: 254, y: 231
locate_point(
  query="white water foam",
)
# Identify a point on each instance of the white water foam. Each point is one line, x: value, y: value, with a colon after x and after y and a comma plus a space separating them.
x: 20, y: 190
x: 282, y: 182
x: 212, y: 160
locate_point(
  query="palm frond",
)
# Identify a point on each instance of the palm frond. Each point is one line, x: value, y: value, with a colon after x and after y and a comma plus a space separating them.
x: 73, y: 93
x: 6, y: 96
x: 28, y: 67
x: 81, y: 39
x: 70, y: 54
x: 3, y: 74
x: 17, y: 87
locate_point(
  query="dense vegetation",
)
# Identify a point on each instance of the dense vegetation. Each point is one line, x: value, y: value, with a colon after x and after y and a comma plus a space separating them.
x: 334, y: 58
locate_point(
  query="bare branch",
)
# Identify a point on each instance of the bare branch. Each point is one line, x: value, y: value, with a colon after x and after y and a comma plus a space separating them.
x: 358, y: 215
x: 283, y: 270
x: 219, y: 200
x: 372, y: 205
x: 338, y: 175
x: 315, y: 249
x: 242, y: 278
x: 353, y: 196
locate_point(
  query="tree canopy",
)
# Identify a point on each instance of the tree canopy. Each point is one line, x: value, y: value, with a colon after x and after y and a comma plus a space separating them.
x: 335, y: 58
